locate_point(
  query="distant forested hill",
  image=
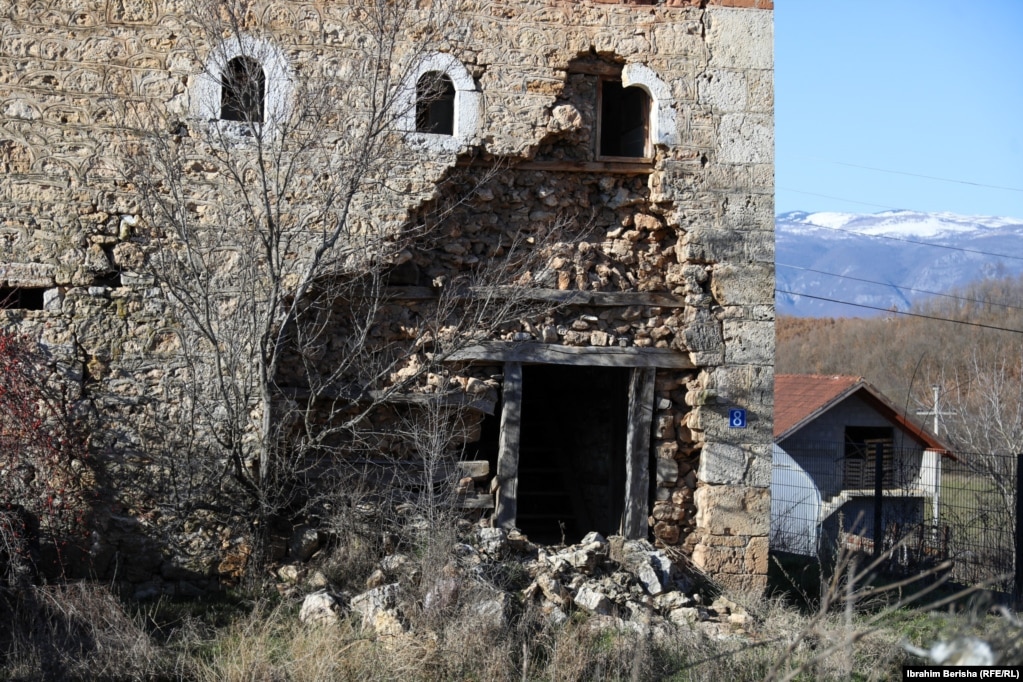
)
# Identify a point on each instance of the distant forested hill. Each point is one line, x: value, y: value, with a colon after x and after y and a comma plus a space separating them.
x: 978, y: 367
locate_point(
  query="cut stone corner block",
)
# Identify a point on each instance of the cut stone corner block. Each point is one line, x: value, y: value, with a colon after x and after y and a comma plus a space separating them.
x: 735, y: 563
x: 724, y: 464
x: 741, y: 584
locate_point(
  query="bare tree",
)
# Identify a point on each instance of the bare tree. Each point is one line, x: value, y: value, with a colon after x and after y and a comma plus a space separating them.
x: 985, y: 398
x: 982, y: 407
x: 273, y: 222
x: 45, y: 475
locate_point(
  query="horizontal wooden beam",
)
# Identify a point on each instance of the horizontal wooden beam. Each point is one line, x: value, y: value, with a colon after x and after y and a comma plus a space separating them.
x: 587, y: 356
x: 575, y: 297
x: 454, y: 399
x: 614, y: 167
x: 415, y: 472
x: 410, y: 293
x: 638, y: 167
x: 476, y: 469
x: 412, y: 475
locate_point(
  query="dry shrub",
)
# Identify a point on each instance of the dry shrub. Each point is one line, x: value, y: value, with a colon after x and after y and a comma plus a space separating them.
x: 354, y: 555
x: 580, y: 651
x: 271, y: 644
x: 73, y: 631
x: 45, y: 478
x: 268, y: 643
x: 850, y: 629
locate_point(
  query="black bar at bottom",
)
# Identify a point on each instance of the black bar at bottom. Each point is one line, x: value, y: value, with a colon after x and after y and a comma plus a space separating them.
x: 961, y: 672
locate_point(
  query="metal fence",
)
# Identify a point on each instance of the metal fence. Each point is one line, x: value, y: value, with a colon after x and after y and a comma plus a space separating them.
x: 916, y: 508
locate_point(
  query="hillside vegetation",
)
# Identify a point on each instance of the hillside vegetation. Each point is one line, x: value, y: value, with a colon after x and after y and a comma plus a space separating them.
x: 957, y: 342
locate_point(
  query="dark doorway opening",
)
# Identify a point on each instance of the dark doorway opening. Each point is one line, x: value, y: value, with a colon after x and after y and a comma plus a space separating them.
x: 571, y: 477
x: 861, y: 455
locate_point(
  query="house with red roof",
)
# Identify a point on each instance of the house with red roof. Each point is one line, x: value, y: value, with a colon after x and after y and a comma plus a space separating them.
x: 829, y: 432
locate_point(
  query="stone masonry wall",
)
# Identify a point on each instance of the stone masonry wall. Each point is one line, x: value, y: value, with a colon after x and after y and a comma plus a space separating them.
x: 695, y: 224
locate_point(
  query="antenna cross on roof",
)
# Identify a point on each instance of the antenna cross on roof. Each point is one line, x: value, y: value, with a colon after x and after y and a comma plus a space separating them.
x: 936, y: 411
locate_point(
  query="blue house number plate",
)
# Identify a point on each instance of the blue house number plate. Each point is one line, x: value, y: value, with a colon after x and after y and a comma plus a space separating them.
x: 736, y: 418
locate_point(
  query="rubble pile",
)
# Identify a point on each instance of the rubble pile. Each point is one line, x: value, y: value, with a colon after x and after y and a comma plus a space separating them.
x: 614, y: 583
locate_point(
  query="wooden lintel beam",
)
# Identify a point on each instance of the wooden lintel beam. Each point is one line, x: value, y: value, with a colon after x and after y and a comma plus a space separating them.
x: 410, y: 293
x: 589, y: 356
x: 596, y: 68
x: 453, y: 399
x: 601, y: 167
x: 610, y: 167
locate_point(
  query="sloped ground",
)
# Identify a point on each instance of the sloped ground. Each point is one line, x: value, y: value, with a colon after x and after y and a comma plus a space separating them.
x: 487, y: 605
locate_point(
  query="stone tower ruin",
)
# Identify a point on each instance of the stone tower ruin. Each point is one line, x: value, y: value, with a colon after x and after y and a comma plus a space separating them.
x: 553, y: 217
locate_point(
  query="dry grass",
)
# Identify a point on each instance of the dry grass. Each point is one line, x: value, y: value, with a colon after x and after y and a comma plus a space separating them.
x: 76, y: 631
x: 786, y: 645
x: 854, y: 631
x: 83, y: 632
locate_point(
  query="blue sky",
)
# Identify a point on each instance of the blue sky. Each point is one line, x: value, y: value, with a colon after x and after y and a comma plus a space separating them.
x: 926, y: 87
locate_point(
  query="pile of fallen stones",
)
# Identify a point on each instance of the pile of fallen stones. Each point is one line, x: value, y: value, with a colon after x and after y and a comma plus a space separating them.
x: 617, y: 583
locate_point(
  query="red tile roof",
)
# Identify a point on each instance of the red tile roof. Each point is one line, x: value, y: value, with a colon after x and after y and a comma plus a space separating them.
x: 800, y: 398
x: 797, y: 397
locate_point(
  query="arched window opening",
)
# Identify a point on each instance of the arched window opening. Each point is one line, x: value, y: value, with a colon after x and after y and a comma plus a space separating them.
x: 435, y: 104
x: 243, y: 91
x: 624, y: 120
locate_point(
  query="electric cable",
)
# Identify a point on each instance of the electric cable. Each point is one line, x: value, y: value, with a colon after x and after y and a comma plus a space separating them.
x: 912, y: 175
x: 902, y: 288
x: 901, y: 312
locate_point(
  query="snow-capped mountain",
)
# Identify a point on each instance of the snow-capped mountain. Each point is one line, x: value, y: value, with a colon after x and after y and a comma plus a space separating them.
x: 873, y: 260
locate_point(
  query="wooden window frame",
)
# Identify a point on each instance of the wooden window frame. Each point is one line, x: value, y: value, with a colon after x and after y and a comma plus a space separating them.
x: 648, y: 147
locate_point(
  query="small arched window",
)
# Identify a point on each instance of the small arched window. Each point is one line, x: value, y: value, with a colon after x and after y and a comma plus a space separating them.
x: 624, y: 120
x: 242, y: 91
x: 435, y: 104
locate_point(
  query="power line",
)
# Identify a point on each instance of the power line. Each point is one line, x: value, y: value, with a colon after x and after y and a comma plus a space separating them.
x: 916, y: 175
x: 930, y: 177
x: 903, y: 288
x: 837, y: 198
x: 900, y: 312
x: 913, y: 241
